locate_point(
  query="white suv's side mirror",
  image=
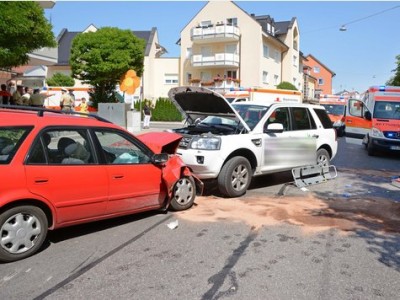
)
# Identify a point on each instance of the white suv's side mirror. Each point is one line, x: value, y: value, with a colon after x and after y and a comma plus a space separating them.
x: 274, y: 128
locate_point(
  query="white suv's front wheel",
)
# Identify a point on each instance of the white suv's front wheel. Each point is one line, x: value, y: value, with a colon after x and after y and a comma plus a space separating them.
x: 235, y: 177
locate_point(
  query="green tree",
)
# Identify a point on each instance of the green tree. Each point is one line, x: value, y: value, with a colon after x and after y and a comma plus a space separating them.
x: 60, y: 79
x: 395, y: 80
x: 23, y: 29
x: 286, y: 86
x: 101, y: 58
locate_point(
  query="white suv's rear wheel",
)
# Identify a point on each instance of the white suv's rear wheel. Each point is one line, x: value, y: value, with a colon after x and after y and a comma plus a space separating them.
x: 235, y: 177
x: 323, y: 157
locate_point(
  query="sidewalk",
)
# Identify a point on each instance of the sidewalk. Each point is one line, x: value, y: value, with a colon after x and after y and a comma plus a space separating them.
x: 156, y: 126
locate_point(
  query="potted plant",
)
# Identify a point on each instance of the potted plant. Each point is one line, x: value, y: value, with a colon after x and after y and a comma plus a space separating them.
x: 207, y: 83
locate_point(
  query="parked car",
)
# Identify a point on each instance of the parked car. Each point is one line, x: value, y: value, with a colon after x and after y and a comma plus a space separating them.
x: 61, y: 169
x: 234, y: 142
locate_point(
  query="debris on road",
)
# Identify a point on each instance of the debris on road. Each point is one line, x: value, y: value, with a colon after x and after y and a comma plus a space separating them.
x: 173, y: 225
x: 396, y: 182
x: 310, y: 212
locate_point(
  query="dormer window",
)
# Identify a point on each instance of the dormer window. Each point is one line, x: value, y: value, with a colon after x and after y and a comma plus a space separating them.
x: 231, y: 21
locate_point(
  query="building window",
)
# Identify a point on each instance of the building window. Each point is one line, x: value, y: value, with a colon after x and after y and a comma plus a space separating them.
x: 277, y: 56
x: 188, y: 77
x: 294, y: 60
x: 205, y: 76
x: 295, y: 45
x: 231, y: 74
x: 294, y: 81
x: 265, y: 51
x: 171, y: 78
x: 276, y: 79
x: 316, y: 69
x: 206, y: 24
x: 231, y: 21
x: 188, y: 52
x: 232, y: 49
x: 265, y: 77
x: 320, y: 81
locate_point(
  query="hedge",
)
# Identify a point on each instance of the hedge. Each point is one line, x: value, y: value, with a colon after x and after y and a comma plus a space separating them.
x: 164, y: 110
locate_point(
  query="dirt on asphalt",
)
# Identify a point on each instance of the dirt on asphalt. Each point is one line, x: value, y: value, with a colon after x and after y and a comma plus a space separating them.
x: 309, y: 212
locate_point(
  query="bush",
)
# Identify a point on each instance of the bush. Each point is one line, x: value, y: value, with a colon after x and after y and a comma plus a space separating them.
x: 60, y: 79
x: 286, y: 86
x: 164, y: 110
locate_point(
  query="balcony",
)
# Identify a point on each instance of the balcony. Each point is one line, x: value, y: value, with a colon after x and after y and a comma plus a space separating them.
x: 221, y: 86
x: 215, y: 34
x: 215, y: 60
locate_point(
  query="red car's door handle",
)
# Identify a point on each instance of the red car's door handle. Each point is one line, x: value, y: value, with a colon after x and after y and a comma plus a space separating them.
x: 41, y: 180
x: 118, y: 176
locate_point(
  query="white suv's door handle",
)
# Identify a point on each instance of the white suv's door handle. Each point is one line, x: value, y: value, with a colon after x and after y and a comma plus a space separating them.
x: 315, y: 136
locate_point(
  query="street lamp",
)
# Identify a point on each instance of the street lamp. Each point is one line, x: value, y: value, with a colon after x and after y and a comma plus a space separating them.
x: 343, y: 28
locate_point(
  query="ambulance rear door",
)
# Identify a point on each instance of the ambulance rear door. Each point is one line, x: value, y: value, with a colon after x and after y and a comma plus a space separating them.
x: 358, y: 121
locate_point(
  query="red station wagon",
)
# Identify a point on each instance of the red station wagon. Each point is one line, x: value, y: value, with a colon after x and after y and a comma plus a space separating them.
x: 61, y: 169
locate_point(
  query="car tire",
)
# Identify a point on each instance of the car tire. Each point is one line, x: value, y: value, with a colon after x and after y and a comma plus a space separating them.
x: 235, y: 177
x: 341, y: 132
x: 323, y: 157
x: 370, y: 149
x: 23, y: 229
x: 183, y: 194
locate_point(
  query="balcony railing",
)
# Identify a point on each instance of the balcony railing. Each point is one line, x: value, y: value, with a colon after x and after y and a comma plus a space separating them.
x: 215, y: 33
x: 217, y: 59
x: 221, y: 86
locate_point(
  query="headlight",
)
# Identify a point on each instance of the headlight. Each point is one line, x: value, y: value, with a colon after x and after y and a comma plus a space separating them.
x: 375, y: 132
x: 206, y: 143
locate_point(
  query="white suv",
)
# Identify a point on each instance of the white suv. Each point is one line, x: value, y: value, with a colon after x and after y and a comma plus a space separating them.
x: 234, y: 142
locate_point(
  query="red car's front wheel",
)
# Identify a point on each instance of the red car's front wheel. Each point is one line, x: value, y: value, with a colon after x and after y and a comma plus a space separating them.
x: 183, y: 194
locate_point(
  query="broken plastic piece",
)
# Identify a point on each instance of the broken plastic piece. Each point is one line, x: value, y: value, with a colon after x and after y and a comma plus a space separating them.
x: 396, y: 182
x: 173, y: 225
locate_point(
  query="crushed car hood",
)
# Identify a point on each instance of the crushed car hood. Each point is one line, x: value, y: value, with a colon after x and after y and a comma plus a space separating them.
x: 194, y: 102
x: 161, y: 142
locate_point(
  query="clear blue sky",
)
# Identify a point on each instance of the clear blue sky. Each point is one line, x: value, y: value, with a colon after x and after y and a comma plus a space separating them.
x: 362, y: 56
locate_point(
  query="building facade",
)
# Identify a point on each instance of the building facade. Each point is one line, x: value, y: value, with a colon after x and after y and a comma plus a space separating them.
x: 223, y: 46
x: 322, y: 73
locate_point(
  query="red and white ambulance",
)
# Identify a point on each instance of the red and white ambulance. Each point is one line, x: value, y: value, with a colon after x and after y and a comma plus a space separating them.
x: 335, y: 106
x: 375, y: 119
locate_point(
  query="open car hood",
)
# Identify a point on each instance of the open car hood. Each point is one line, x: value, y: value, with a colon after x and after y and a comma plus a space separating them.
x: 198, y: 102
x: 161, y: 142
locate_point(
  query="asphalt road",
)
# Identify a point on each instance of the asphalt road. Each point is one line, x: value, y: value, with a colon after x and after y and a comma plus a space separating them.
x: 325, y: 250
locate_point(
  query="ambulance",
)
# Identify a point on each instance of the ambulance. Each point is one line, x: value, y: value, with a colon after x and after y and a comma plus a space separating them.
x: 263, y: 95
x: 335, y: 106
x: 375, y: 119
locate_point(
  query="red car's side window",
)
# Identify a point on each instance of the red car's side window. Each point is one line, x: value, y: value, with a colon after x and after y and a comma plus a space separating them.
x: 62, y: 147
x: 10, y: 139
x: 119, y: 150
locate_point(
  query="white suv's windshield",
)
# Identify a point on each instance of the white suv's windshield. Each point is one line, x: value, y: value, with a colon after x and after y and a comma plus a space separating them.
x: 251, y: 114
x: 214, y: 120
x: 387, y: 110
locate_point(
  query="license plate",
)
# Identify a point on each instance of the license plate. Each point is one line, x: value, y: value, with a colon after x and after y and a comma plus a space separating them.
x: 394, y: 147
